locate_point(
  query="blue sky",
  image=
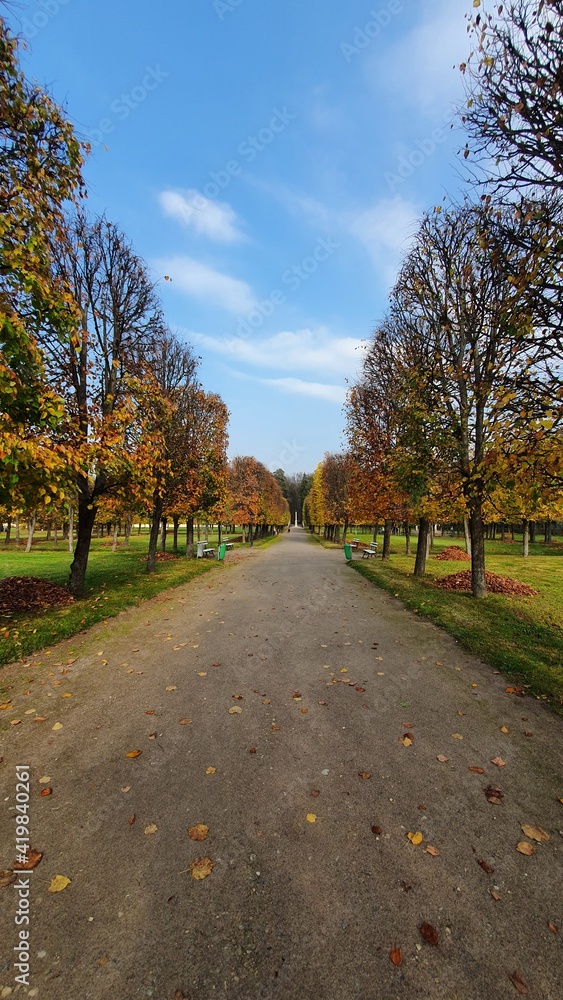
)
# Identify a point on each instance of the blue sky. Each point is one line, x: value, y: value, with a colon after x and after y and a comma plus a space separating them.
x: 271, y: 157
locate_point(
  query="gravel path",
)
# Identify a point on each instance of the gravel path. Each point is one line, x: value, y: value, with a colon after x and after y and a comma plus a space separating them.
x: 313, y: 793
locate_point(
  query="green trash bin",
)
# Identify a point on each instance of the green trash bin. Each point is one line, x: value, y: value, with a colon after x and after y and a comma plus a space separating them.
x: 221, y: 552
x: 348, y: 552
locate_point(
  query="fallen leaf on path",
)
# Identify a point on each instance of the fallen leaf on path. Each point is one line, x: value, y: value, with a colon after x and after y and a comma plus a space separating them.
x: 150, y: 711
x: 58, y: 883
x: 150, y: 829
x: 266, y: 701
x: 185, y: 722
x: 486, y: 868
x: 304, y: 711
x: 311, y: 818
x: 153, y: 736
x: 477, y: 770
x: 429, y: 933
x: 376, y: 830
x: 494, y: 795
x: 498, y: 761
x: 396, y: 956
x: 496, y: 896
x: 6, y: 878
x: 32, y: 860
x: 406, y: 741
x: 198, y: 832
x: 315, y: 793
x: 553, y: 928
x: 503, y: 729
x: 18, y: 722
x: 433, y: 851
x: 442, y: 758
x: 132, y: 819
x: 534, y: 833
x: 40, y: 718
x: 525, y: 848
x: 46, y: 791
x: 324, y: 703
x: 171, y: 687
x: 457, y: 736
x: 275, y: 729
x: 364, y: 774
x: 201, y: 868
x: 134, y: 753
x: 202, y: 673
x: 211, y: 770
x: 126, y: 789
x: 297, y: 695
x: 415, y: 838
x: 235, y: 710
x: 343, y: 670
x: 519, y: 983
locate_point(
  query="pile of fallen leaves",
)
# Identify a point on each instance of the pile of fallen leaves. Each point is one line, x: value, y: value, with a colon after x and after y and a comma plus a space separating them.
x: 453, y: 553
x: 495, y: 584
x: 29, y: 593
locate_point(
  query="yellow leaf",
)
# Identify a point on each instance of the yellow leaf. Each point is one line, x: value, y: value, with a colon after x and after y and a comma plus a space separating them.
x: 171, y: 687
x: 235, y: 710
x: 415, y: 838
x: 534, y: 833
x: 150, y: 829
x: 211, y: 770
x: 58, y: 883
x: 442, y: 758
x: 503, y: 729
x: 57, y: 726
x: 134, y: 753
x: 311, y: 818
x: 198, y: 832
x: 457, y: 736
x: 343, y: 670
x: 525, y: 848
x: 201, y: 868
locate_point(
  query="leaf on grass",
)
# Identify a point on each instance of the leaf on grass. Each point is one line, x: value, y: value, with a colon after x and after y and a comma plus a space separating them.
x: 415, y: 838
x: 519, y: 983
x: 32, y: 860
x: 429, y: 933
x: 442, y: 758
x: 534, y: 833
x: 150, y: 829
x: 486, y: 868
x: 198, y: 832
x: 235, y: 710
x: 201, y: 868
x: 396, y: 956
x: 525, y: 848
x: 58, y: 883
x: 433, y: 851
x: 498, y: 761
x: 311, y: 818
x: 134, y: 753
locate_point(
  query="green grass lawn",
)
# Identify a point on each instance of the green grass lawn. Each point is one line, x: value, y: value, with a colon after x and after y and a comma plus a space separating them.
x: 522, y: 636
x: 114, y: 581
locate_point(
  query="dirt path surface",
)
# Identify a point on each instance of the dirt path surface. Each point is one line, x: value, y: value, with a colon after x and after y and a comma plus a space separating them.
x: 330, y: 675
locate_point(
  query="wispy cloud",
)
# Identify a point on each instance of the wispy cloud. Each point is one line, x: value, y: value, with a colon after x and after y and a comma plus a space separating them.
x: 421, y: 66
x: 205, y: 283
x: 385, y: 230
x: 214, y: 220
x: 296, y: 351
x: 298, y: 387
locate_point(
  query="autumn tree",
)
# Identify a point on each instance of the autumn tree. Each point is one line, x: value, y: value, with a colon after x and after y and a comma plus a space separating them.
x: 255, y: 497
x: 96, y: 368
x: 40, y: 164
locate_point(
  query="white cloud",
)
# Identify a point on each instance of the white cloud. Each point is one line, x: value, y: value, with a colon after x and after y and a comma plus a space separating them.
x: 296, y: 386
x: 385, y: 230
x: 203, y: 282
x: 423, y: 64
x: 214, y: 219
x: 300, y: 350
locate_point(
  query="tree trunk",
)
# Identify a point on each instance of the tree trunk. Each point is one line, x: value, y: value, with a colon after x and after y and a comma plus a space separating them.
x: 175, y: 522
x: 49, y: 530
x: 375, y: 532
x: 190, y: 538
x: 478, y: 580
x: 128, y: 529
x: 8, y: 531
x: 407, y: 538
x: 70, y: 528
x: 467, y: 534
x: 422, y: 547
x: 155, y: 530
x: 139, y: 528
x: 86, y: 518
x: 55, y: 536
x: 163, y: 533
x: 532, y: 531
x: 387, y: 540
x: 114, y: 539
x: 30, y: 530
x: 525, y: 538
x: 547, y: 536
x: 502, y: 531
x: 251, y: 533
x: 17, y: 530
